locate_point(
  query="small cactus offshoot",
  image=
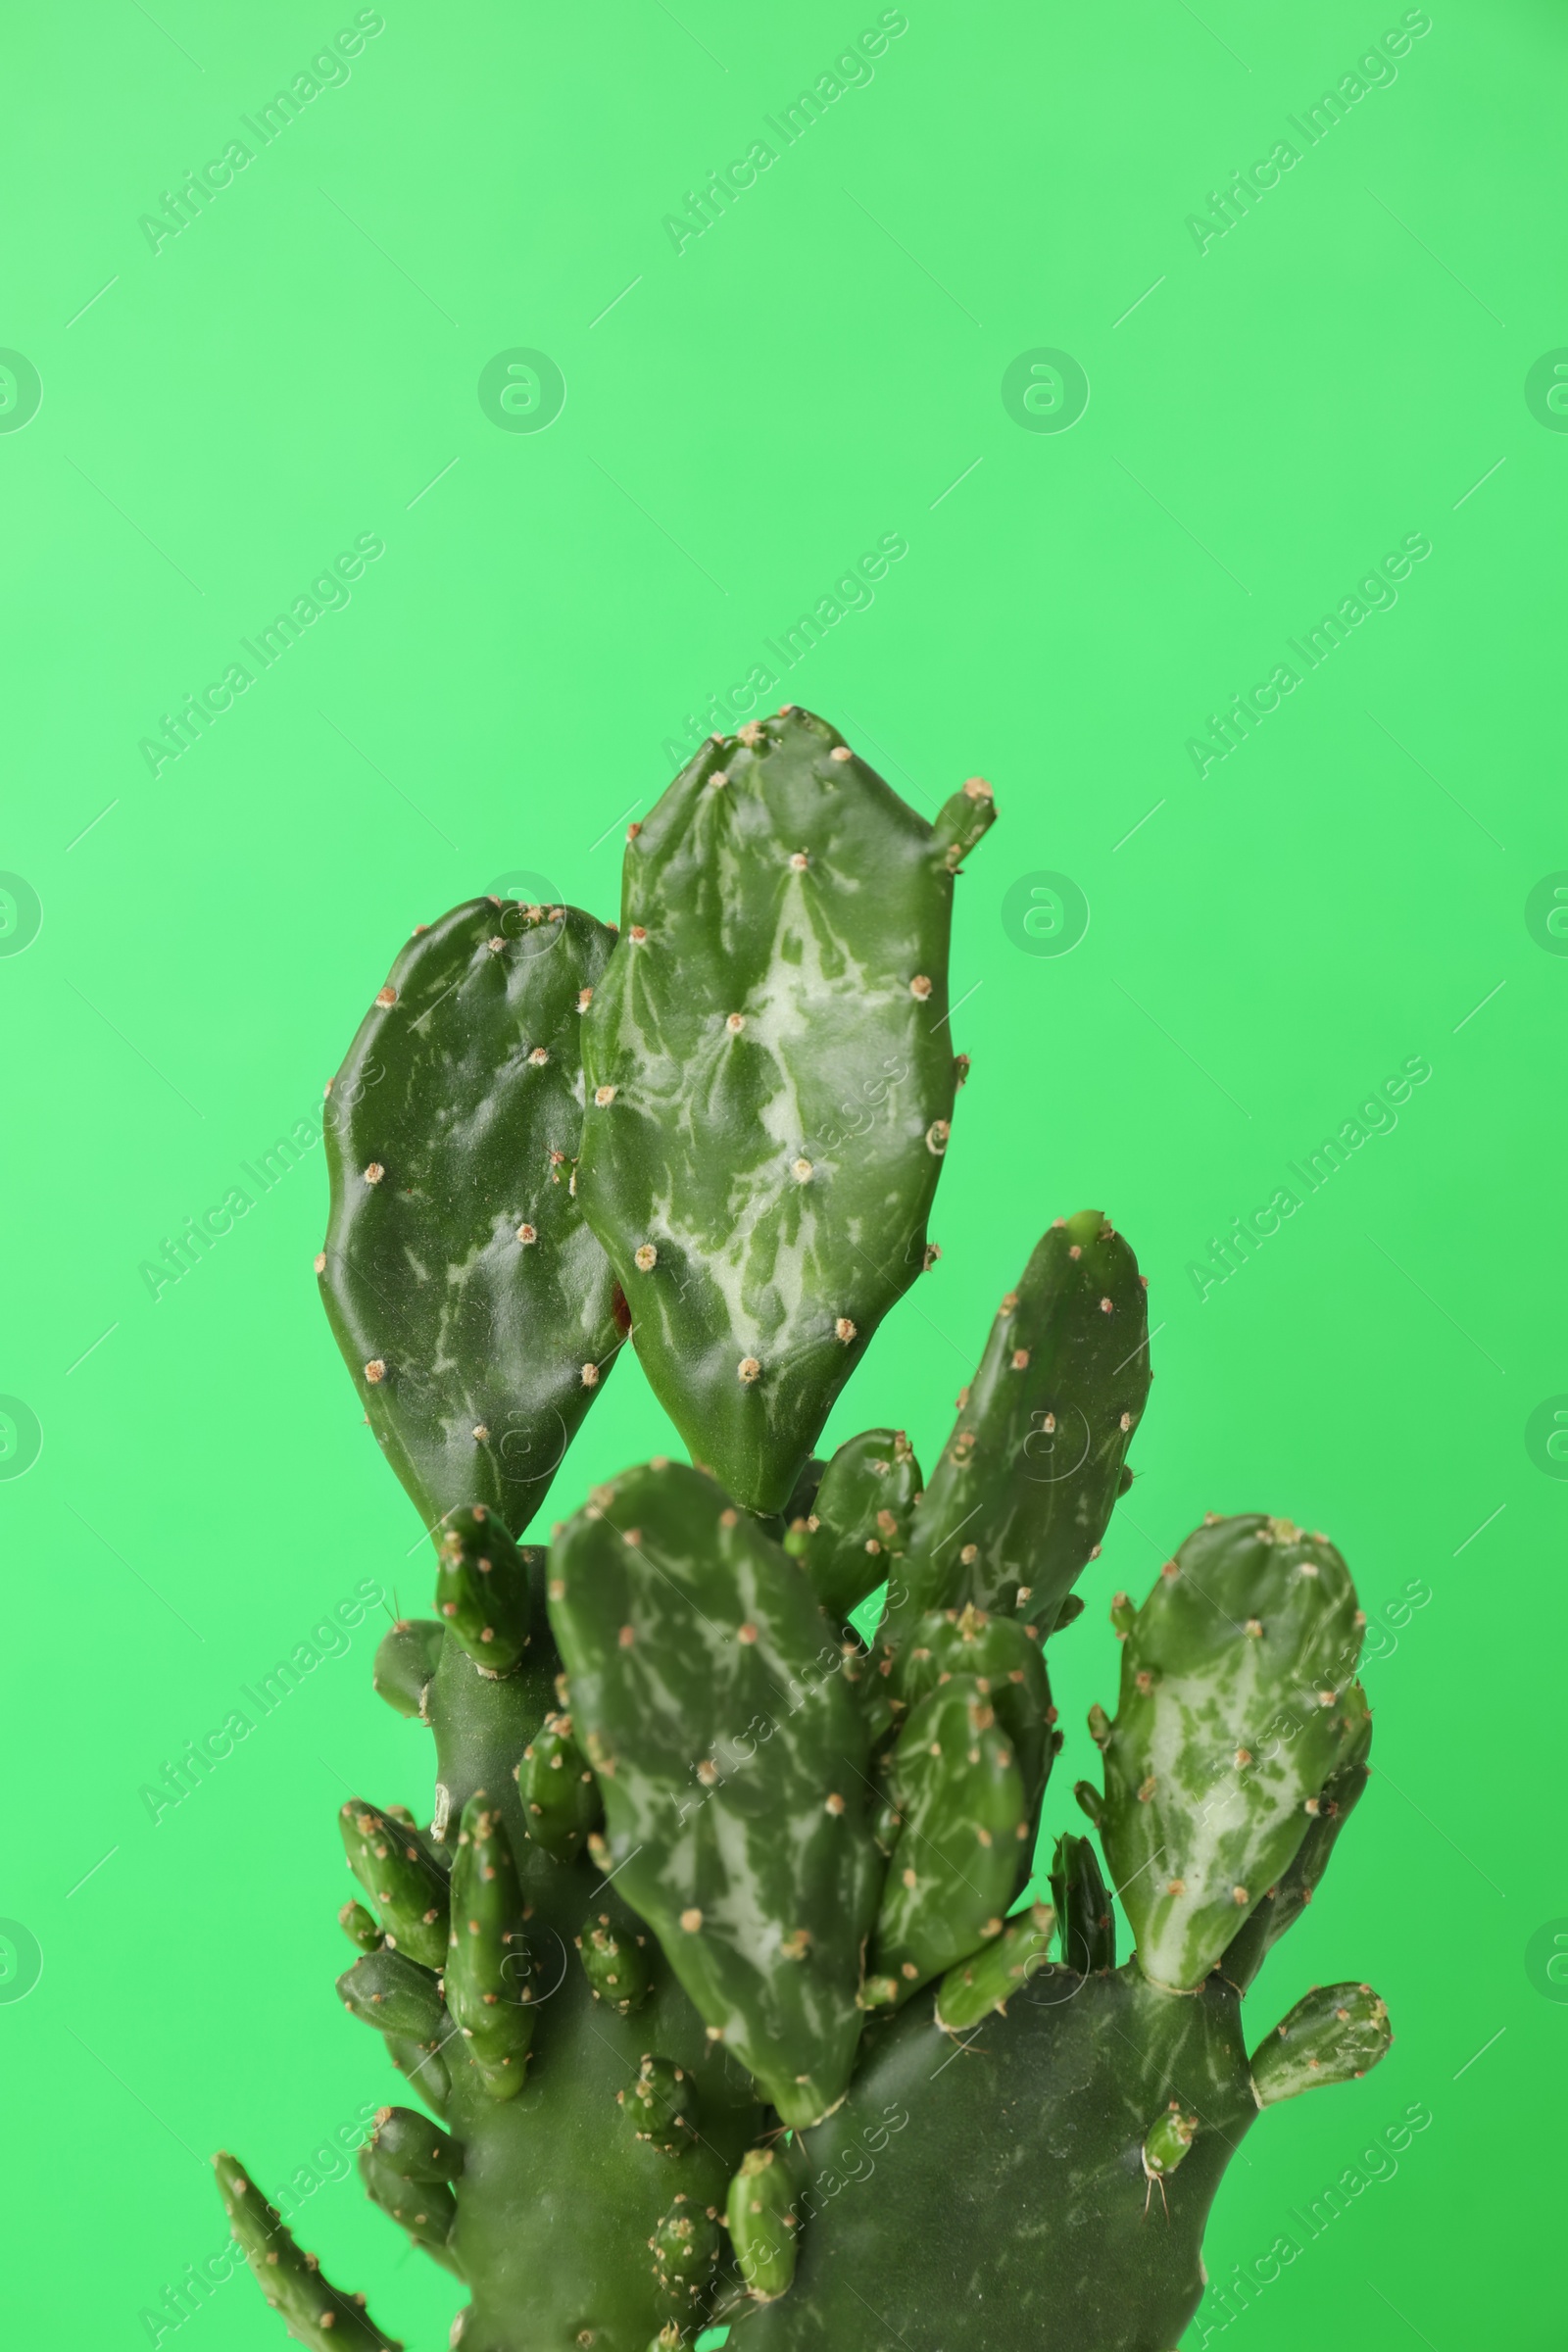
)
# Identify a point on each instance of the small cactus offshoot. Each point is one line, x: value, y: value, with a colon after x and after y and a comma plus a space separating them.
x: 719, y: 1977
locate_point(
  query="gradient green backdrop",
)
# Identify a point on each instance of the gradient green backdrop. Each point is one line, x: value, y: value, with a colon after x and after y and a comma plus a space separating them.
x: 1271, y: 410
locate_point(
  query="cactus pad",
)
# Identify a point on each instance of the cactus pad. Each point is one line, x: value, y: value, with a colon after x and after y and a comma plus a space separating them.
x: 560, y: 1794
x: 694, y: 1653
x: 959, y: 1851
x: 482, y: 1587
x: 1233, y: 1714
x: 1334, y: 2033
x: 489, y: 1970
x: 408, y: 1888
x: 858, y: 1526
x: 473, y: 1308
x: 1023, y: 1491
x: 294, y: 2284
x: 764, y: 2226
x: 990, y: 1978
x: 1283, y: 1904
x: 770, y: 1080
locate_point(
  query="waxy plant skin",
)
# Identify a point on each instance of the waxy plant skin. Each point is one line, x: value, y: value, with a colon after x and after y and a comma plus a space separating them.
x: 712, y: 1975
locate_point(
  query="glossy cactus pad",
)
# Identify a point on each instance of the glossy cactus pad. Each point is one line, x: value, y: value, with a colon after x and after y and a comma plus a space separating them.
x: 771, y: 1072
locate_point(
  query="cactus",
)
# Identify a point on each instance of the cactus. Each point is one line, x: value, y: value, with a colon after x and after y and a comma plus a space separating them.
x: 719, y: 1959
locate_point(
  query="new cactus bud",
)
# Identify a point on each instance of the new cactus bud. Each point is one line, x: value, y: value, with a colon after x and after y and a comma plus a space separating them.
x: 732, y: 1763
x: 489, y: 1970
x: 662, y: 2105
x: 465, y: 1291
x: 424, y: 2066
x: 1336, y: 2034
x: 988, y: 1979
x: 960, y: 1852
x: 360, y: 1927
x: 1024, y: 1490
x: 426, y: 2209
x: 560, y: 1796
x: 1232, y: 1717
x: 685, y: 2248
x: 858, y: 1529
x: 783, y: 954
x: 406, y: 1659
x: 1003, y: 1659
x: 420, y: 2150
x: 764, y: 2226
x: 1165, y: 2145
x: 963, y: 819
x: 481, y: 1589
x: 315, y: 2311
x: 615, y: 1960
x: 1283, y: 1904
x: 1083, y: 1907
x: 407, y: 1887
x: 398, y: 1997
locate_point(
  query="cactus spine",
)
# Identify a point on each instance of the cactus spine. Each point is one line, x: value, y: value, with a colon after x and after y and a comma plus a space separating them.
x: 716, y: 1970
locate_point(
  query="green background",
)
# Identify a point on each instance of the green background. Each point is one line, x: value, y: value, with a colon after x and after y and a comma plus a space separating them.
x: 515, y: 676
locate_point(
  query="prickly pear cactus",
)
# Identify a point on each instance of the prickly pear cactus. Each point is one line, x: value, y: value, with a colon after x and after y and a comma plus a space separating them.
x: 717, y: 1970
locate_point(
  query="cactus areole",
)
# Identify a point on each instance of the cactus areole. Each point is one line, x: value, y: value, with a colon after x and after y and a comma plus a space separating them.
x: 721, y: 1976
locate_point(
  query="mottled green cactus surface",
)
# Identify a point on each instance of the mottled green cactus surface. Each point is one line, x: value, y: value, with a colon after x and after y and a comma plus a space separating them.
x: 772, y: 1073
x: 474, y: 1309
x: 716, y: 1978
